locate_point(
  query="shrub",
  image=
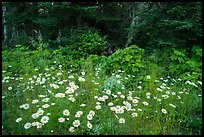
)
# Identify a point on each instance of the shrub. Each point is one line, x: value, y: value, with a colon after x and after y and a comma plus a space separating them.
x: 85, y: 42
x: 128, y: 60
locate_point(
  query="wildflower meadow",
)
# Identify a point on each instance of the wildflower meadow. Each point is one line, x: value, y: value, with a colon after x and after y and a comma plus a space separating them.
x: 62, y: 99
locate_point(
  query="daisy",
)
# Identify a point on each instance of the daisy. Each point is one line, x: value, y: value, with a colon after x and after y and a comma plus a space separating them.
x: 139, y: 87
x: 81, y: 79
x: 122, y: 96
x: 164, y: 111
x: 71, y: 129
x: 105, y: 97
x: 173, y: 93
x: 89, y: 125
x: 61, y: 119
x: 121, y: 120
x: 148, y: 94
x: 40, y: 111
x: 89, y: 117
x: 60, y: 95
x: 26, y: 106
x: 79, y: 113
x: 139, y: 109
x: 18, y: 119
x: 45, y: 106
x: 27, y: 125
x: 101, y: 99
x: 121, y: 111
x: 71, y: 77
x: 134, y: 114
x: 41, y: 96
x: 108, y: 92
x: 69, y: 90
x: 44, y: 119
x: 39, y: 125
x: 134, y: 101
x: 113, y: 108
x: 35, y: 115
x: 9, y: 88
x: 82, y: 105
x: 117, y: 111
x: 34, y: 123
x: 45, y: 99
x: 35, y: 101
x: 98, y: 107
x: 76, y: 123
x: 145, y: 103
x: 148, y: 77
x: 110, y: 104
x: 66, y: 112
x: 91, y: 112
x: 83, y: 73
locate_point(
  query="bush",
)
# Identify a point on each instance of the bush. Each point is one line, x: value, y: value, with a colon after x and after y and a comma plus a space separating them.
x: 85, y: 42
x: 128, y: 60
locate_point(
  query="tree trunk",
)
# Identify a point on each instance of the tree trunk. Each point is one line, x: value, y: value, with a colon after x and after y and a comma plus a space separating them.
x: 132, y: 15
x: 5, y: 32
x: 136, y: 19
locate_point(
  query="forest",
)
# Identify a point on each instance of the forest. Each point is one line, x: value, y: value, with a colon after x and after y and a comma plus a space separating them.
x: 101, y: 68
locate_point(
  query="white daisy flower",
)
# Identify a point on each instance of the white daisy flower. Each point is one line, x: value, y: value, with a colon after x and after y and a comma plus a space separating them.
x: 83, y: 73
x: 89, y: 117
x: 35, y: 101
x: 34, y: 123
x: 26, y: 106
x: 39, y: 125
x: 18, y: 119
x: 71, y: 129
x: 61, y: 120
x: 108, y: 92
x: 81, y: 79
x: 122, y: 96
x: 66, y: 112
x: 113, y: 108
x: 164, y: 111
x: 134, y: 114
x: 110, y: 104
x: 145, y: 103
x: 79, y: 113
x: 45, y: 106
x: 44, y: 119
x: 98, y: 107
x: 148, y: 77
x: 89, y: 125
x: 134, y: 101
x: 45, y: 99
x: 40, y: 111
x: 35, y: 115
x: 76, y: 123
x: 9, y: 88
x: 91, y: 112
x: 27, y: 125
x: 121, y: 120
x: 82, y: 105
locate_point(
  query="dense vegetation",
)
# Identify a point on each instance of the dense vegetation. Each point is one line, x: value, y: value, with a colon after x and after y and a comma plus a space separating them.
x: 101, y: 68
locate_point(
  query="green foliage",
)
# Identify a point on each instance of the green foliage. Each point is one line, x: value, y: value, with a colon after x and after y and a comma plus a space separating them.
x: 83, y: 42
x: 175, y: 25
x: 128, y: 60
x: 183, y: 64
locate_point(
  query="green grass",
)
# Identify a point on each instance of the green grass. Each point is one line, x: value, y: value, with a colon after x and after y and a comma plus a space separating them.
x: 156, y: 94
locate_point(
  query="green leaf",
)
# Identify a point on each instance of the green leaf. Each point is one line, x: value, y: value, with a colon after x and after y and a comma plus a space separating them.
x: 128, y: 57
